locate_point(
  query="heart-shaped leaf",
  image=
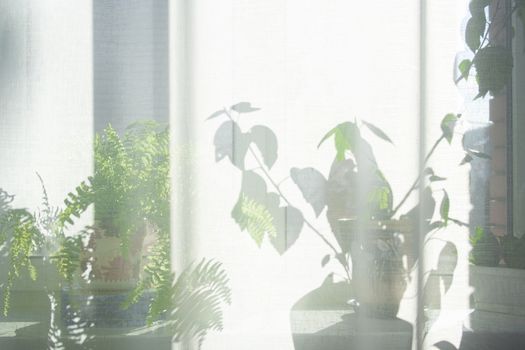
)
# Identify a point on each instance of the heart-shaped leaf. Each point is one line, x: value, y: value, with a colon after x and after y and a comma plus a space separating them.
x: 464, y: 68
x: 244, y: 107
x: 474, y: 31
x: 252, y: 211
x: 428, y: 171
x: 230, y: 142
x: 254, y: 217
x: 494, y: 69
x: 260, y: 214
x: 289, y: 223
x: 447, y: 126
x: 312, y: 185
x: 477, y: 7
x: 266, y: 142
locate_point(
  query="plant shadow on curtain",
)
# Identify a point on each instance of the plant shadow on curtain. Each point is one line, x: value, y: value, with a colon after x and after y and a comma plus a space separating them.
x: 352, y: 189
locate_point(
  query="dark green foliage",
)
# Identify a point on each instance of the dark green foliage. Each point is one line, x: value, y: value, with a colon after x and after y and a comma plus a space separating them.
x: 493, y: 63
x: 486, y: 250
x: 23, y: 234
x: 448, y: 124
x: 131, y: 187
x: 494, y: 68
x: 514, y: 252
x: 18, y: 236
x: 67, y: 258
x: 158, y: 277
x: 130, y: 183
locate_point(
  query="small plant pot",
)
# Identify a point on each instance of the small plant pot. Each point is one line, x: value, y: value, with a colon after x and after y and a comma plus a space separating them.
x: 378, y: 272
x: 486, y: 252
x: 108, y: 267
x: 103, y: 310
x: 498, y: 289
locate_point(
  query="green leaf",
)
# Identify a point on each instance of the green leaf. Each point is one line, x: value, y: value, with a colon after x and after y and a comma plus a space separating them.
x: 477, y: 7
x: 381, y: 196
x: 266, y: 142
x: 479, y: 232
x: 445, y: 207
x: 255, y: 218
x: 474, y: 32
x: 327, y: 136
x: 466, y: 159
x: 494, y: 69
x: 347, y: 130
x: 231, y: 142
x: 341, y: 145
x: 435, y: 178
x: 464, y: 68
x: 378, y: 132
x: 447, y: 126
x: 216, y: 114
x: 244, y: 107
x: 312, y: 185
x: 325, y: 260
x: 428, y: 171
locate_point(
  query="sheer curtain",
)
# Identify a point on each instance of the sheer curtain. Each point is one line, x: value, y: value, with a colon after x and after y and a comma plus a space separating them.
x: 310, y: 66
x: 70, y: 68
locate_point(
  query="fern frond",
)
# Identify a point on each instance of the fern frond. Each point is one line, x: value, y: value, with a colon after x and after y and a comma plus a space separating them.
x: 254, y: 217
x: 198, y: 296
x: 20, y: 237
x: 67, y: 259
x: 5, y: 200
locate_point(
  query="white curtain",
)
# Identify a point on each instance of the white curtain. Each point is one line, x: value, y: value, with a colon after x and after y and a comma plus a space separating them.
x: 68, y: 68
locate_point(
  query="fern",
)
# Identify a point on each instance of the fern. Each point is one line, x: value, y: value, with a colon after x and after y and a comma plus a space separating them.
x: 20, y: 237
x: 197, y: 299
x: 254, y: 218
x: 158, y: 277
x: 192, y: 304
x: 130, y: 183
x: 67, y: 259
x: 5, y: 200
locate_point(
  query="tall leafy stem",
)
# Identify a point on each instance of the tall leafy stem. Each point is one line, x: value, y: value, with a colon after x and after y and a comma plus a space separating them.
x: 277, y: 188
x: 493, y: 61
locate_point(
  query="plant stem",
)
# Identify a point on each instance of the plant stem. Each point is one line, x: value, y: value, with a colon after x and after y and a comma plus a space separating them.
x: 416, y: 182
x: 285, y: 199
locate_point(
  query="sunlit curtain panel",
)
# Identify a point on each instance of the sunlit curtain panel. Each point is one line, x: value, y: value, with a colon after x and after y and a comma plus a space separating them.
x: 264, y: 175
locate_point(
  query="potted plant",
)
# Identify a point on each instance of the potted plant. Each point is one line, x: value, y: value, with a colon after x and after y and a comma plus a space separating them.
x: 38, y: 254
x: 104, y: 281
x: 130, y: 194
x: 497, y: 273
x: 371, y: 234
